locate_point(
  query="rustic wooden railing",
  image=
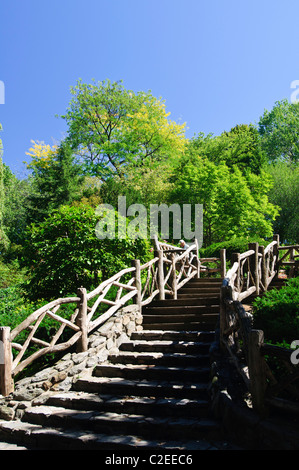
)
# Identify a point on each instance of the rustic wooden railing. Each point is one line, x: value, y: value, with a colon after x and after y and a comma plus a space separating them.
x: 163, y: 275
x: 252, y: 273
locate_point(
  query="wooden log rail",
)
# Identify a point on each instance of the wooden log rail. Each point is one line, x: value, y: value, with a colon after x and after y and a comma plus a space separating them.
x: 252, y: 272
x: 163, y: 275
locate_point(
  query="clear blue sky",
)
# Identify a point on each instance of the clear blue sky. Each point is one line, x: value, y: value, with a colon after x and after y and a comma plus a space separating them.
x: 216, y: 63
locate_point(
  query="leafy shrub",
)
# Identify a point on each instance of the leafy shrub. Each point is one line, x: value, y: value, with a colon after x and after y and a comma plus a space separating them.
x: 64, y: 253
x: 235, y: 245
x: 11, y: 274
x: 277, y: 313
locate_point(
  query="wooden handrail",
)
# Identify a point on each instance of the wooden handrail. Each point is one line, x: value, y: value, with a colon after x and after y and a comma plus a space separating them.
x: 236, y: 324
x: 148, y: 281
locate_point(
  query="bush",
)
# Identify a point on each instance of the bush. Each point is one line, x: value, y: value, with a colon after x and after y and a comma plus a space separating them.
x: 277, y: 313
x: 11, y: 274
x: 236, y: 245
x: 64, y: 253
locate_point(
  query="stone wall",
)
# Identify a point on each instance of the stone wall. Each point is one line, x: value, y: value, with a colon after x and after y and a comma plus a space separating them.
x: 60, y: 376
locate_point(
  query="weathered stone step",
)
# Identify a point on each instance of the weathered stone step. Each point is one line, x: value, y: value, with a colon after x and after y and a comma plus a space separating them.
x: 195, y: 289
x: 43, y: 438
x: 164, y: 335
x: 181, y: 310
x: 165, y: 346
x: 154, y: 405
x: 197, y: 301
x: 195, y: 293
x: 169, y: 324
x: 138, y: 372
x: 187, y: 321
x: 118, y: 387
x: 111, y: 423
x: 159, y: 359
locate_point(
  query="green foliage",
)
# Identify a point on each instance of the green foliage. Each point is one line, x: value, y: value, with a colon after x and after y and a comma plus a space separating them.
x: 3, y: 236
x: 16, y: 192
x: 13, y: 306
x: 285, y: 194
x: 64, y: 253
x: 111, y: 128
x: 56, y: 180
x: 239, y: 147
x: 234, y: 204
x: 11, y: 274
x: 279, y: 129
x: 236, y: 245
x: 277, y: 313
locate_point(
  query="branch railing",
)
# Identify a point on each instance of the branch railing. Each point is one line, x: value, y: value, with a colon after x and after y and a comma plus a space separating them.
x: 163, y: 275
x: 252, y: 273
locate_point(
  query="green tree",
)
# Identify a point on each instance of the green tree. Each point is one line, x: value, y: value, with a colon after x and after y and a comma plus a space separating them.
x: 240, y: 146
x: 3, y: 237
x: 285, y: 194
x: 234, y: 205
x: 56, y: 179
x: 64, y: 253
x: 16, y: 192
x: 279, y: 131
x: 111, y: 128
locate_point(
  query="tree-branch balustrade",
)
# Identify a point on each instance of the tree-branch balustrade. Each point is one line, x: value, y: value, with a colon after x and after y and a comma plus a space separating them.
x: 245, y: 345
x: 163, y: 275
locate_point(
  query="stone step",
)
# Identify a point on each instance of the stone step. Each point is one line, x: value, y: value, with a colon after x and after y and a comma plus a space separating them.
x: 169, y: 324
x: 111, y: 422
x: 195, y: 293
x: 194, y: 301
x: 116, y: 388
x: 164, y: 335
x: 159, y: 359
x: 181, y: 310
x: 186, y: 320
x: 139, y: 372
x: 79, y: 400
x: 43, y: 438
x: 191, y: 289
x: 164, y: 346
x: 154, y: 405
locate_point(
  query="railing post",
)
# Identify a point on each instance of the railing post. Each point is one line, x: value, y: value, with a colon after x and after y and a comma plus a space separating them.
x: 6, y: 380
x: 222, y: 316
x: 161, y: 275
x: 81, y: 320
x: 263, y: 268
x: 255, y: 247
x: 136, y: 264
x: 197, y: 260
x: 236, y: 258
x: 275, y: 249
x: 223, y: 262
x: 257, y: 373
x: 174, y: 279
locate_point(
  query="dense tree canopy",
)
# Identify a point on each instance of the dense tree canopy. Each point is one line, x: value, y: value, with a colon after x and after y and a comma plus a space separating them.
x: 240, y: 146
x: 233, y: 203
x: 279, y: 131
x: 111, y: 128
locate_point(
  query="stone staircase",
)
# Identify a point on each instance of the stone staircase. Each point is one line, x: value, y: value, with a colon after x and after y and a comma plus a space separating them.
x: 151, y: 395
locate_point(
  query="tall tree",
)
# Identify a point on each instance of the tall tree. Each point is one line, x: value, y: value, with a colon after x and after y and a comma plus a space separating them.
x: 3, y: 236
x: 56, y: 179
x: 279, y: 131
x: 16, y: 192
x: 112, y: 127
x: 240, y: 146
x: 285, y: 194
x: 234, y: 204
